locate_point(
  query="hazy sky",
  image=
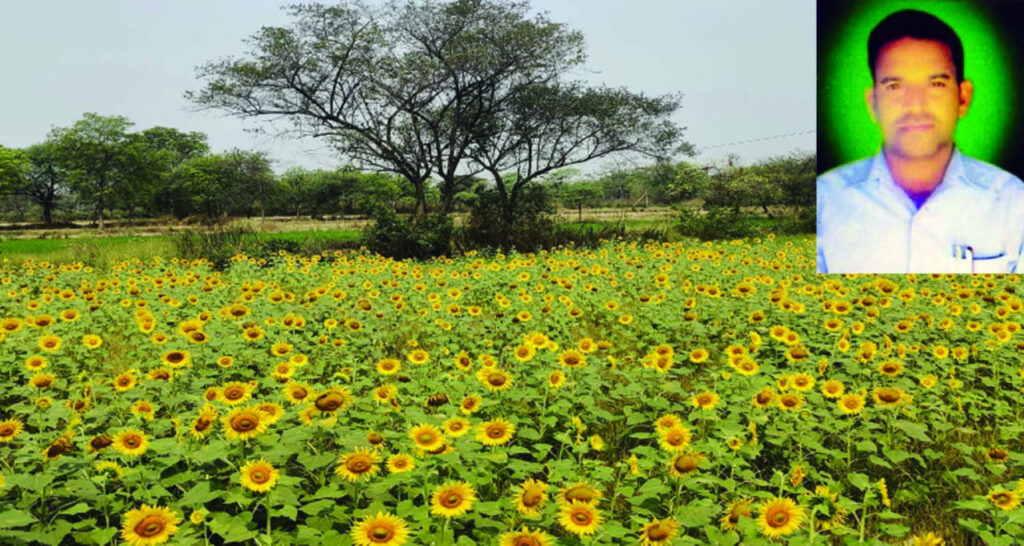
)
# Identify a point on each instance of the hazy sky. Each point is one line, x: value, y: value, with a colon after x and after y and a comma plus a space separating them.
x: 746, y: 67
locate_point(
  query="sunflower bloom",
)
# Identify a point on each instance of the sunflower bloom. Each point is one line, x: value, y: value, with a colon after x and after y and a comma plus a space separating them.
x: 259, y: 476
x: 358, y: 464
x: 401, y: 463
x: 427, y: 437
x: 580, y: 518
x: 779, y: 517
x: 531, y: 497
x: 658, y: 531
x: 525, y: 537
x: 131, y: 442
x: 244, y: 423
x: 149, y: 525
x: 1005, y: 500
x: 383, y: 529
x: 495, y: 432
x: 452, y: 499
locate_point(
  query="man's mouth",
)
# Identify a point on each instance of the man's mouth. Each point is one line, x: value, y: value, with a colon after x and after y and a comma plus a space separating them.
x: 916, y: 127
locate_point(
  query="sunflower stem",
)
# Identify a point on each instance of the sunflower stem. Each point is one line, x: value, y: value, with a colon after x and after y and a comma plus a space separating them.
x: 266, y: 502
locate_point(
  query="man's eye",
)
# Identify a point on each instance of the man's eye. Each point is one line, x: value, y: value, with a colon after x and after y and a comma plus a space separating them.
x: 938, y: 84
x: 892, y: 86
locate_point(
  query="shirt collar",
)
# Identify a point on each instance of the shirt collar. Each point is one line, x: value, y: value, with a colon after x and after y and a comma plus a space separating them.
x: 955, y: 174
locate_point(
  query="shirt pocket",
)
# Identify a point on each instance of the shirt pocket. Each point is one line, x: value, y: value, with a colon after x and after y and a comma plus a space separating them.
x: 997, y: 263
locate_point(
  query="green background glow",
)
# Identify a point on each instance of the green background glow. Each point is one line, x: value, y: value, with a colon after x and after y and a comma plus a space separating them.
x: 845, y: 129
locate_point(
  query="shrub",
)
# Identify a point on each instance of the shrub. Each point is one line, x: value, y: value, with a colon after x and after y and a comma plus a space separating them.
x: 400, y: 238
x: 217, y: 245
x: 715, y: 223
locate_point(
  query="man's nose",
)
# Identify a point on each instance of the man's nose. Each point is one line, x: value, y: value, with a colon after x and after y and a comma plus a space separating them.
x: 914, y: 98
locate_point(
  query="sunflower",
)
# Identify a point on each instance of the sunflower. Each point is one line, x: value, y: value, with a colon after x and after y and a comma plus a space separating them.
x: 531, y: 497
x: 580, y: 518
x: 244, y: 423
x: 738, y: 509
x: 235, y: 393
x: 271, y: 410
x: 427, y: 437
x: 383, y: 529
x: 149, y: 525
x: 92, y: 341
x: 495, y: 432
x: 98, y: 443
x: 470, y: 404
x: 802, y: 382
x: 1005, y: 500
x: 494, y: 379
x: 667, y: 421
x: 524, y: 353
x: 851, y: 403
x: 357, y: 464
x: 176, y: 359
x: 259, y: 476
x: 333, y: 399
x: 889, y: 397
x: 556, y: 379
x: 791, y: 401
x: 890, y: 368
x: 49, y: 343
x: 525, y: 537
x: 832, y: 389
x: 927, y: 539
x: 124, y: 382
x: 35, y: 363
x: 296, y: 393
x: 225, y: 361
x: 779, y: 517
x: 572, y: 359
x: 699, y: 355
x: 684, y: 464
x: 418, y: 356
x: 144, y: 409
x: 456, y: 427
x: 131, y: 442
x: 400, y: 463
x: 658, y: 531
x: 388, y: 366
x: 675, y: 438
x: 42, y: 380
x: 746, y: 365
x: 579, y: 491
x: 160, y: 374
x: 452, y: 499
x: 102, y: 466
x: 706, y: 400
x: 825, y: 507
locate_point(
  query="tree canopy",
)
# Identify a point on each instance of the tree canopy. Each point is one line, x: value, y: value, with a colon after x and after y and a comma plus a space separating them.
x: 443, y: 89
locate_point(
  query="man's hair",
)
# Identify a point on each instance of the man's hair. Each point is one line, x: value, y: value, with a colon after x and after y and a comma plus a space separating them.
x: 910, y: 23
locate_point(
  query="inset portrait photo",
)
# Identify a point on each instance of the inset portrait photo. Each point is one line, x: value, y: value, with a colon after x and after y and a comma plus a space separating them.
x: 920, y: 137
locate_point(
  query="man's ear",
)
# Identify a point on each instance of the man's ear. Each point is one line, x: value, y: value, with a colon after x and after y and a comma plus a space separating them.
x: 869, y: 99
x: 966, y: 96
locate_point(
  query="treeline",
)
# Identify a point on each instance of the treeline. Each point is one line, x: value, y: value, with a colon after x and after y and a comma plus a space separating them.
x: 99, y: 169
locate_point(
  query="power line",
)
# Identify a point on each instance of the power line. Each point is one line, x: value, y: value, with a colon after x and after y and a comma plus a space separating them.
x: 773, y: 137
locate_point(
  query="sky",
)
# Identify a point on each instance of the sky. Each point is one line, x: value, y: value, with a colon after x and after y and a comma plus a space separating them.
x: 746, y: 68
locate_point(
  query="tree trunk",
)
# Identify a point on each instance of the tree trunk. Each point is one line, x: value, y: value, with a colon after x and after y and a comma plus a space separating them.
x: 579, y: 214
x: 421, y: 202
x: 99, y: 213
x: 47, y: 213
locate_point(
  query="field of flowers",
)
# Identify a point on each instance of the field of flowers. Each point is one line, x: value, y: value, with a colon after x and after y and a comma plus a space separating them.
x: 637, y: 393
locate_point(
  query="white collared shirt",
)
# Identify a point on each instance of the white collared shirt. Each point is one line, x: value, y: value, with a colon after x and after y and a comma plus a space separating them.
x: 972, y: 223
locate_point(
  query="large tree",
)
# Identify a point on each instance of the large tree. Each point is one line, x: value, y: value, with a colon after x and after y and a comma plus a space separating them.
x: 13, y: 166
x: 100, y: 157
x: 407, y: 88
x: 46, y: 180
x: 547, y: 128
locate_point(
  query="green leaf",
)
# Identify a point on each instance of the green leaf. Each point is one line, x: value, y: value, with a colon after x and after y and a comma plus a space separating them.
x: 316, y: 507
x: 79, y: 508
x: 858, y: 480
x: 199, y: 495
x: 916, y: 431
x: 15, y: 518
x: 232, y: 528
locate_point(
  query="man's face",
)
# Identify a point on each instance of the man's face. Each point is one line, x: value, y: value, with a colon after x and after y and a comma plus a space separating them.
x: 916, y: 100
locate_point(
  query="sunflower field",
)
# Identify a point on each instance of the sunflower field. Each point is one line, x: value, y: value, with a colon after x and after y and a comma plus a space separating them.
x: 651, y: 393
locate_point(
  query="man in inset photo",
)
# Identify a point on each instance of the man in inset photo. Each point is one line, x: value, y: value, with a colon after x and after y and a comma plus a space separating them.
x: 920, y: 205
